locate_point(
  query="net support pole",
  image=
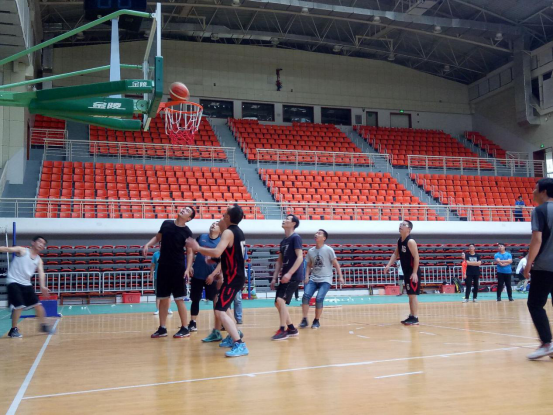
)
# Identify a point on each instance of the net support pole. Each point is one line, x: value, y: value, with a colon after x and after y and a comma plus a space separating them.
x: 14, y: 238
x: 115, y: 60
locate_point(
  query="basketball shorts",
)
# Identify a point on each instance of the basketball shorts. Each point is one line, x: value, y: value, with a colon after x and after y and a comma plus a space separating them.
x: 226, y: 296
x: 22, y: 296
x: 197, y: 285
x: 286, y: 291
x: 412, y: 288
x: 170, y: 281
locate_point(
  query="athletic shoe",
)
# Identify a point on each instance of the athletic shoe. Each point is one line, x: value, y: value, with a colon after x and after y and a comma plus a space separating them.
x: 228, y: 342
x: 511, y: 299
x: 183, y: 332
x: 192, y: 326
x: 45, y: 328
x: 414, y: 321
x: 292, y: 332
x: 169, y: 311
x: 156, y: 312
x: 466, y: 300
x: 542, y: 351
x: 14, y: 333
x: 499, y: 300
x: 407, y: 319
x: 238, y: 349
x: 214, y: 336
x: 474, y: 300
x: 238, y: 321
x: 280, y: 335
x: 161, y: 332
x: 315, y: 324
x: 303, y: 323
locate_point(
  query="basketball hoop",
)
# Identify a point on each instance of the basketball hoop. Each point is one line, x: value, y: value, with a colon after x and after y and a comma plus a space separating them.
x: 182, y: 120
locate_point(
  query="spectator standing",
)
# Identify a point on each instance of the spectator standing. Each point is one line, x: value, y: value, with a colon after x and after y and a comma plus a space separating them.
x: 519, y: 217
x: 503, y: 261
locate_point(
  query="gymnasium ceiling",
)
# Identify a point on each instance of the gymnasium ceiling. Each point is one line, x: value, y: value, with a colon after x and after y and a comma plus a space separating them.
x: 461, y: 40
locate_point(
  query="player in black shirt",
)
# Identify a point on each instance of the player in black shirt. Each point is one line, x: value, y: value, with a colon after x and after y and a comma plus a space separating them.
x: 171, y: 272
x: 473, y: 273
x: 231, y: 250
x: 409, y: 257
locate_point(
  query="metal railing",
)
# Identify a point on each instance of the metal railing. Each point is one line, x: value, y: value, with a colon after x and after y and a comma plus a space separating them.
x: 71, y: 282
x: 488, y: 273
x: 366, y: 276
x: 319, y: 158
x: 76, y: 150
x: 518, y: 155
x: 162, y: 209
x: 55, y: 137
x: 503, y: 167
x: 119, y: 281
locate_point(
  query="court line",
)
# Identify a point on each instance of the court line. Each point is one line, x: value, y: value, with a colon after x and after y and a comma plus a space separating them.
x: 424, y: 332
x: 477, y: 331
x: 19, y: 396
x: 399, y: 374
x: 270, y: 372
x: 363, y: 337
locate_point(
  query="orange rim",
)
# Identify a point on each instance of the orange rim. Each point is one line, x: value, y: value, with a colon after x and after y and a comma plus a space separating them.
x: 167, y: 106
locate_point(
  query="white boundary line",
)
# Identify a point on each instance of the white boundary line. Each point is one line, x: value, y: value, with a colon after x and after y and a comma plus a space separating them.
x: 479, y: 331
x: 270, y: 372
x: 399, y: 374
x: 19, y: 397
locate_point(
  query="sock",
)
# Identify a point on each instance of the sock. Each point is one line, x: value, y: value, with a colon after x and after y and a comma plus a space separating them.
x: 291, y: 326
x: 415, y: 316
x: 315, y: 320
x: 163, y: 327
x: 239, y: 341
x: 192, y: 321
x: 282, y: 328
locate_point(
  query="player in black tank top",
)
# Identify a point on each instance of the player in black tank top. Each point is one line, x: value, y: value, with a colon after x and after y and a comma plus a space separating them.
x: 408, y: 254
x: 231, y: 251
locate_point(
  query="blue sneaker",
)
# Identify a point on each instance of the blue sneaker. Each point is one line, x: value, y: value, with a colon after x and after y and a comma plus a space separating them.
x: 238, y: 349
x: 228, y: 342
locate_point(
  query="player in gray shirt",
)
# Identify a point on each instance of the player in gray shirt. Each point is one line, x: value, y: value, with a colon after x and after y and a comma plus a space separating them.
x: 318, y: 276
x: 540, y: 255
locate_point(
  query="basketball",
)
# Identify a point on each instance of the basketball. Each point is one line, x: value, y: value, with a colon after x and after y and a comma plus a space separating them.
x: 178, y: 92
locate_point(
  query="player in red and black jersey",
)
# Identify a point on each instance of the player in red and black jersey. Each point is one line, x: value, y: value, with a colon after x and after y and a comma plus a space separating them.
x: 409, y: 257
x: 231, y: 250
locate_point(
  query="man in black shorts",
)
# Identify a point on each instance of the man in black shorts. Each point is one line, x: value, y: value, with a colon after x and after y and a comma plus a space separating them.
x: 231, y: 250
x: 172, y: 273
x: 290, y: 261
x: 473, y: 273
x: 21, y: 293
x: 408, y: 253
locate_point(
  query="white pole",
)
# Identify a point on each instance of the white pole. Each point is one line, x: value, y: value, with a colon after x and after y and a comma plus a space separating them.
x: 115, y: 59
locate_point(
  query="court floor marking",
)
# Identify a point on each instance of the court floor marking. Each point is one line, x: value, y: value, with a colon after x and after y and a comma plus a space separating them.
x: 478, y: 331
x: 21, y: 392
x: 398, y: 374
x: 270, y: 372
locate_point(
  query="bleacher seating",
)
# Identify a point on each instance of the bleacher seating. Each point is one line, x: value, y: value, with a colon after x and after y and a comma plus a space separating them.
x: 124, y: 182
x: 324, y: 187
x: 48, y: 128
x: 251, y: 136
x: 492, y: 149
x: 479, y: 191
x: 103, y: 139
x: 401, y: 142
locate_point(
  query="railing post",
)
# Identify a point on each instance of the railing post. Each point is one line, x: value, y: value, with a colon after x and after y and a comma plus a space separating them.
x: 495, y: 167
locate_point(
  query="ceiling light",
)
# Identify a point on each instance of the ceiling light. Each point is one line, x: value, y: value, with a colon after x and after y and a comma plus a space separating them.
x: 80, y: 35
x: 236, y: 3
x: 437, y: 29
x: 376, y: 19
x: 304, y: 10
x: 214, y: 36
x: 275, y: 41
x: 336, y: 48
x: 447, y: 68
x: 147, y: 33
x: 499, y: 36
x: 391, y: 56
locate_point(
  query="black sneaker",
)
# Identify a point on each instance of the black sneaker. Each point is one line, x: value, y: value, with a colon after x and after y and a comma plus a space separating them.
x: 160, y: 332
x: 511, y: 299
x: 414, y: 321
x: 183, y: 332
x: 304, y: 323
x: 292, y: 332
x: 315, y: 324
x: 407, y: 319
x: 14, y: 333
x: 239, y: 322
x: 45, y: 328
x: 192, y: 326
x: 499, y: 299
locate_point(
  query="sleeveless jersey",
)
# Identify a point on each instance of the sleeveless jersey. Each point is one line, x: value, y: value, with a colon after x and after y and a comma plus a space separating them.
x: 22, y: 268
x: 232, y: 259
x: 405, y: 256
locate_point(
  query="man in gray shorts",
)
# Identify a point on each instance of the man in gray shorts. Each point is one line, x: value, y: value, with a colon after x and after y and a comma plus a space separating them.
x: 318, y: 276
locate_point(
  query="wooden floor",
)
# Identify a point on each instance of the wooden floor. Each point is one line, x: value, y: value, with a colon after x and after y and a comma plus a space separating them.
x: 462, y: 359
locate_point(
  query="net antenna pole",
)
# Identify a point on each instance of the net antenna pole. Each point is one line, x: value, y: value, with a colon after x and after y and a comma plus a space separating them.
x: 148, y: 64
x: 115, y: 58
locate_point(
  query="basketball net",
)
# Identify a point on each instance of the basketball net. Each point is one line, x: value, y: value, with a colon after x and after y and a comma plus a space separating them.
x: 182, y: 120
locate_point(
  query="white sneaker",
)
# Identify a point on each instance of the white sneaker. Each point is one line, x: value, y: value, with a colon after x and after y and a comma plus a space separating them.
x: 465, y: 300
x: 474, y: 300
x: 170, y: 311
x: 156, y: 312
x: 542, y: 351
